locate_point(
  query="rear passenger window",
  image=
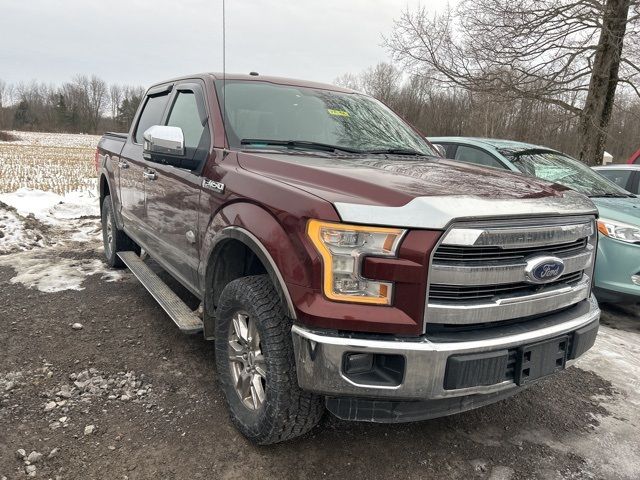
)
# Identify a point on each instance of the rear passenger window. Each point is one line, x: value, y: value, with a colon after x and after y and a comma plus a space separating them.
x: 151, y: 114
x: 619, y: 177
x: 184, y: 114
x: 476, y: 156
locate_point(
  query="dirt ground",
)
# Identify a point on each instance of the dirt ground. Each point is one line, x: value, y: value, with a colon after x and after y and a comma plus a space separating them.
x: 128, y: 396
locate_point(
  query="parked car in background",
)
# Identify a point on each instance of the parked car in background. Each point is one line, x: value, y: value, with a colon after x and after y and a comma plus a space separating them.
x: 634, y: 159
x: 617, y: 273
x: 625, y: 176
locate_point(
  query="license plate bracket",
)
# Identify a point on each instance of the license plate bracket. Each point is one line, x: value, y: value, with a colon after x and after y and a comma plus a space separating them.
x: 541, y: 359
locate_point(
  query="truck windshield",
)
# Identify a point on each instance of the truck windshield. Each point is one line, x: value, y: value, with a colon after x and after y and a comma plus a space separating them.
x: 566, y: 171
x: 287, y: 116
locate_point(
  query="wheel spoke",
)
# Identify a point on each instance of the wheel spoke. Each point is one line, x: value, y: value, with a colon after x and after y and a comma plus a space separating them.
x: 253, y: 334
x: 254, y: 397
x: 243, y: 385
x: 261, y: 365
x: 237, y: 347
x: 240, y: 327
x: 257, y: 388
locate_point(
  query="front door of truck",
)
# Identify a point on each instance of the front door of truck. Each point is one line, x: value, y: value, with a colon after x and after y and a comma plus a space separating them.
x: 132, y: 166
x: 172, y: 193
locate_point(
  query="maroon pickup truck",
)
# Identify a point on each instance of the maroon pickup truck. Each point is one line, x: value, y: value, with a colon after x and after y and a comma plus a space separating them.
x: 341, y: 263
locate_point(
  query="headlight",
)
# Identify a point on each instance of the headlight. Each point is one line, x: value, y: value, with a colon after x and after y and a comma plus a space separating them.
x: 619, y: 231
x: 342, y: 248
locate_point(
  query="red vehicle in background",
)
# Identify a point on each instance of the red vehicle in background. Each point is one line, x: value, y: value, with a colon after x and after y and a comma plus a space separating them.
x: 634, y: 158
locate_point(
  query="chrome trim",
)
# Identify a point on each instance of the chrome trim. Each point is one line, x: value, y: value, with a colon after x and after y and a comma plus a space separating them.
x: 438, y: 212
x: 319, y: 359
x: 506, y: 307
x: 495, y: 273
x: 518, y: 237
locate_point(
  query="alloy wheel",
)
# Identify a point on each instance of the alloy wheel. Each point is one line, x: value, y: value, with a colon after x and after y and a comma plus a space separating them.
x: 246, y: 361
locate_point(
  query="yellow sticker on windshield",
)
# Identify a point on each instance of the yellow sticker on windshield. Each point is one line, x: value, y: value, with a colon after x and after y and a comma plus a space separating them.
x: 339, y: 113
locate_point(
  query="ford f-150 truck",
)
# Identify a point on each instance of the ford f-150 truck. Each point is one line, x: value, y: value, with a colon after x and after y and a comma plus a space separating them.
x: 340, y: 262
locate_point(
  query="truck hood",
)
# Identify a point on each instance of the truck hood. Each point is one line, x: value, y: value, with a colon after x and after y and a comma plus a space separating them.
x: 626, y: 210
x: 415, y: 185
x: 392, y: 182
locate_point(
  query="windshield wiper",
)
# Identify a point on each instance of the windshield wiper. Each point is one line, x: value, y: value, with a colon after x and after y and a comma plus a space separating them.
x: 302, y: 144
x: 397, y: 151
x: 610, y: 195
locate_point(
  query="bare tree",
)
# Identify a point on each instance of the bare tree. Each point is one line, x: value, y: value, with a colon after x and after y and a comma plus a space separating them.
x: 570, y: 54
x: 115, y: 98
x: 381, y: 81
x: 97, y: 99
x: 3, y: 102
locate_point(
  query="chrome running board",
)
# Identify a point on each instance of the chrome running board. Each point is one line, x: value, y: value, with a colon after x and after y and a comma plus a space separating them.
x: 186, y: 319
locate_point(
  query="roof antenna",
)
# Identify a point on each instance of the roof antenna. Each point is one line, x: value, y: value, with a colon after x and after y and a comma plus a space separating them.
x: 224, y: 73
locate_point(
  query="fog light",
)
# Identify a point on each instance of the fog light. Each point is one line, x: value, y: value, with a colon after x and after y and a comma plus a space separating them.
x: 374, y: 369
x: 635, y: 279
x: 358, y: 363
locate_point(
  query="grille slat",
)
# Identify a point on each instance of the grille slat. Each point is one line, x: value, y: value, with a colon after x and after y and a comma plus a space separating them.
x: 454, y: 254
x: 479, y: 292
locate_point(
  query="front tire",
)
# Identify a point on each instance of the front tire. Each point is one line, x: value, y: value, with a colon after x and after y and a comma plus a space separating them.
x: 114, y: 240
x: 256, y: 366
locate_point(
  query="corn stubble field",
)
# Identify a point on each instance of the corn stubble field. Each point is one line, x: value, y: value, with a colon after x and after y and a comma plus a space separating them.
x: 57, y: 162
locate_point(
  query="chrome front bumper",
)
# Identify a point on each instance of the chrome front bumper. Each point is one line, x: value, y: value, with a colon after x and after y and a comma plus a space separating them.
x: 320, y: 356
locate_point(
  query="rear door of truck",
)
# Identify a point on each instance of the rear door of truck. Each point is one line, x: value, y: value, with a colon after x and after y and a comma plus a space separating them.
x: 133, y: 168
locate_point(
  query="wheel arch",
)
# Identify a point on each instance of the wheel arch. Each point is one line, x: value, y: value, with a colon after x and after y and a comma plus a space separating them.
x: 104, y: 188
x: 220, y: 270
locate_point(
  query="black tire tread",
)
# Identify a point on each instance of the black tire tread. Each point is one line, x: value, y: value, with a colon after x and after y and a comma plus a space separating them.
x: 123, y: 242
x: 293, y: 411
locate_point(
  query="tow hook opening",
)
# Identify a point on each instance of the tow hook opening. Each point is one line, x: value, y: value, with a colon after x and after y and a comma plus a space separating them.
x: 375, y: 369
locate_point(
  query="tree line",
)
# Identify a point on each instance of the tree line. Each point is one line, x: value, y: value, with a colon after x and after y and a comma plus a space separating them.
x: 455, y: 111
x: 564, y: 72
x: 85, y: 104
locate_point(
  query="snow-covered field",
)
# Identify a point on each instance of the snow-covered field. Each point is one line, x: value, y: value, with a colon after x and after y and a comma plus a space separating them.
x: 36, y: 224
x: 57, y: 162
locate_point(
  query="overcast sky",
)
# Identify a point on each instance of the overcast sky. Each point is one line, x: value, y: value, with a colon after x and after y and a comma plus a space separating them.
x: 139, y: 42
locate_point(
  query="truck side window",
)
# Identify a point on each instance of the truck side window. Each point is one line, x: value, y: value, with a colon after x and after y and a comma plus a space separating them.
x: 151, y: 114
x: 184, y: 114
x: 476, y: 156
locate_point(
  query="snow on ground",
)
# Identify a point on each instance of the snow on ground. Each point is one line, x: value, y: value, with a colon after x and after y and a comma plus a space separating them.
x: 51, y: 208
x: 48, y: 273
x: 73, y: 140
x: 70, y: 220
x: 614, y: 448
x: 15, y: 235
x: 55, y: 162
x: 48, y: 182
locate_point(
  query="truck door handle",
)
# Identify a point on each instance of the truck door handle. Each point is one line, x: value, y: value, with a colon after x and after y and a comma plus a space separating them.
x: 122, y: 164
x: 150, y: 175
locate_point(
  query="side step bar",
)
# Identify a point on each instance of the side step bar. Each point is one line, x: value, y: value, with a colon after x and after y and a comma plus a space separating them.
x: 186, y: 320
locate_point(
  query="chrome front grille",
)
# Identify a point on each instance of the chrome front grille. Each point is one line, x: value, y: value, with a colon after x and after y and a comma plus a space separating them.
x: 479, y: 271
x: 455, y: 293
x: 455, y: 254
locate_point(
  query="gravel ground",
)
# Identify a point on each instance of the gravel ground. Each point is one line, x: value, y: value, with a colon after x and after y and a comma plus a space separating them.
x: 97, y: 383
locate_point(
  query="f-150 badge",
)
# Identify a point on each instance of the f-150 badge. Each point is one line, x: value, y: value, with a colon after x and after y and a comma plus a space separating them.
x: 211, y: 185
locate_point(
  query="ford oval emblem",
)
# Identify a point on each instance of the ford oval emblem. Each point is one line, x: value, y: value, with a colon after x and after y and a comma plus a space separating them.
x: 544, y: 269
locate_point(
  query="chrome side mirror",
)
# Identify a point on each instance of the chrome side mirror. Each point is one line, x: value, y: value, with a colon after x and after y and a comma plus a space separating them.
x: 163, y: 140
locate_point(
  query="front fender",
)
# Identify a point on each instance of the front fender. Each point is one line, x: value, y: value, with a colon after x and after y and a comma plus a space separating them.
x: 278, y: 247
